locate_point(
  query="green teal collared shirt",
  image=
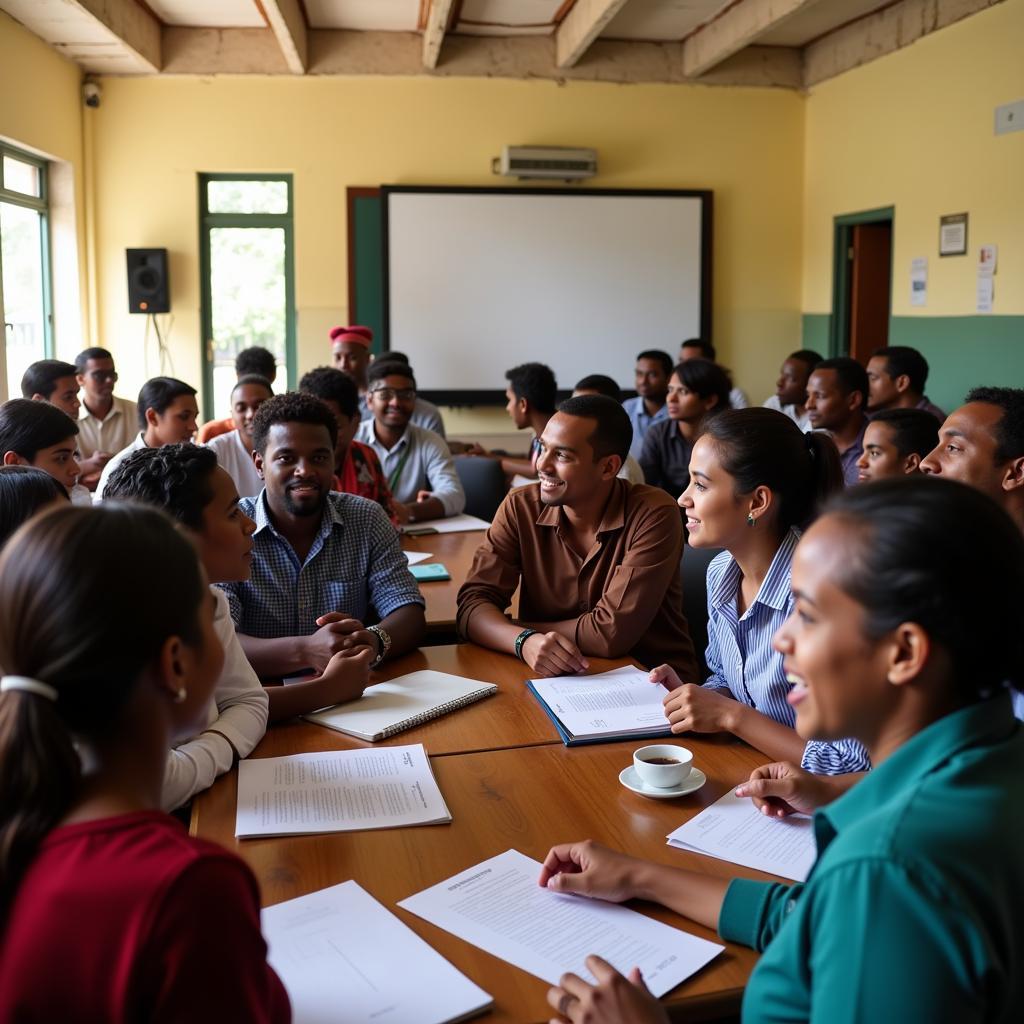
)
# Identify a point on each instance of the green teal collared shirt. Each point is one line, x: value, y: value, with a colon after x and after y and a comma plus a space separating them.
x: 914, y: 910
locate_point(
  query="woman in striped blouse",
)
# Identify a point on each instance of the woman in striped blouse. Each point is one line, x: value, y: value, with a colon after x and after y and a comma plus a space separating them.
x: 756, y: 480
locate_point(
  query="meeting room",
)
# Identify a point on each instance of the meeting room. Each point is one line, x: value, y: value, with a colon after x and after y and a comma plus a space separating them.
x: 512, y: 510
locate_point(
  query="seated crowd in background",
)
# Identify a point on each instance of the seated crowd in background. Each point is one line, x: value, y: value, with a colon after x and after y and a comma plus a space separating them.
x: 839, y: 646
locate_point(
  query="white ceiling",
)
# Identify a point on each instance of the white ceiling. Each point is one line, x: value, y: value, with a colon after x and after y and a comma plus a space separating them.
x: 207, y: 13
x: 133, y: 37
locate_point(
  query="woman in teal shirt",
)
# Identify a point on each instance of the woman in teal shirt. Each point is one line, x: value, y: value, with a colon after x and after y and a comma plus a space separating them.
x: 907, y: 627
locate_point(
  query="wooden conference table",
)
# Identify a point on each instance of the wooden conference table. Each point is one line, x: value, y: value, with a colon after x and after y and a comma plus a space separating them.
x: 455, y: 551
x: 509, y: 783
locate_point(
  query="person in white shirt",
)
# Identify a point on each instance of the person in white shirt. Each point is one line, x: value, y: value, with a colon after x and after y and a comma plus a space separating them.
x: 106, y: 423
x: 167, y: 413
x: 186, y: 482
x: 417, y: 462
x: 790, y: 395
x: 234, y: 449
x: 694, y: 348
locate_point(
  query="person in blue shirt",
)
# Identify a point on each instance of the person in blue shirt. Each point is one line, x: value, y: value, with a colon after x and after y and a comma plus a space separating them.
x: 910, y: 911
x: 755, y: 481
x: 323, y: 564
x: 653, y: 369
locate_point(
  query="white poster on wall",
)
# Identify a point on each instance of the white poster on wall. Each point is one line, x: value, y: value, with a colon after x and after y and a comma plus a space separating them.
x: 919, y: 281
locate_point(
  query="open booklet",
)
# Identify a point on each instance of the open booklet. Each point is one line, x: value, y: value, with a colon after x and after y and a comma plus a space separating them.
x: 337, y: 791
x: 499, y: 907
x: 344, y: 959
x: 621, y: 704
x: 733, y: 829
x: 391, y: 707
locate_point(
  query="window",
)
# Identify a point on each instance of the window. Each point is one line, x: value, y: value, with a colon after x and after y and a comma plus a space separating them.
x: 24, y: 263
x: 248, y: 279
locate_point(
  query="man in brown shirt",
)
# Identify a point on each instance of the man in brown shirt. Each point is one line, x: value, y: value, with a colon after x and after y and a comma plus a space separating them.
x: 597, y: 558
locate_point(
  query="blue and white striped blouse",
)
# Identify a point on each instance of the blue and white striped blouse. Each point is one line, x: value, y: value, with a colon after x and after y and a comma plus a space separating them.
x: 743, y: 664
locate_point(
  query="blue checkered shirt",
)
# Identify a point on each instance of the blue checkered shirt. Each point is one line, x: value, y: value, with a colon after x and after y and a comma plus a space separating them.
x: 355, y: 565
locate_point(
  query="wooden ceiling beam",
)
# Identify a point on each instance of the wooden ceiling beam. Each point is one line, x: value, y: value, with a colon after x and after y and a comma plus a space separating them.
x: 581, y: 26
x: 288, y: 24
x: 733, y: 30
x: 434, y: 30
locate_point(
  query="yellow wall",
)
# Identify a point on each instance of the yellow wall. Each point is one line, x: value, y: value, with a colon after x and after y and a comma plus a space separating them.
x: 152, y: 137
x: 914, y: 130
x: 40, y: 110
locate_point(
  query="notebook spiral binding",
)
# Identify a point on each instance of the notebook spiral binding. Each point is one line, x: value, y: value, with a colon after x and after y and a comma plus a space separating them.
x: 441, y: 709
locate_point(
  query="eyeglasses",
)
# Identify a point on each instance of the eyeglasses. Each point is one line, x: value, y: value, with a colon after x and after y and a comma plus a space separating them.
x: 102, y: 375
x: 402, y: 394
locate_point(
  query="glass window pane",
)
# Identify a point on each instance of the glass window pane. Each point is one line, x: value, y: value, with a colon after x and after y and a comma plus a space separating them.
x: 247, y: 291
x: 247, y: 196
x: 24, y: 314
x: 21, y: 177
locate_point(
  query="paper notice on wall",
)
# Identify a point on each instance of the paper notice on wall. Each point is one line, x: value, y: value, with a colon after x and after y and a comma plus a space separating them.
x: 985, y: 293
x: 988, y: 257
x: 919, y: 281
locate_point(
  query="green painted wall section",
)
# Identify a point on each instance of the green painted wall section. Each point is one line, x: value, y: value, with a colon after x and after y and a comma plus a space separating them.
x: 962, y: 351
x: 368, y: 252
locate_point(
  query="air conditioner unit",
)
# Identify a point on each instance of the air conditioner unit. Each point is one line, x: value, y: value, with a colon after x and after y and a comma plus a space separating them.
x: 562, y: 163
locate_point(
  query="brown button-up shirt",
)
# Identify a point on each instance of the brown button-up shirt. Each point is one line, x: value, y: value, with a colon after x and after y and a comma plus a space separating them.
x: 625, y: 595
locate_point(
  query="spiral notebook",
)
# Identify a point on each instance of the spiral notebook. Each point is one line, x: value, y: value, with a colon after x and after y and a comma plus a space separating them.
x: 401, y: 703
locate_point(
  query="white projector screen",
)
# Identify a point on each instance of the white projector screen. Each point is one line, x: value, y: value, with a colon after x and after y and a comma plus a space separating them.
x: 480, y: 280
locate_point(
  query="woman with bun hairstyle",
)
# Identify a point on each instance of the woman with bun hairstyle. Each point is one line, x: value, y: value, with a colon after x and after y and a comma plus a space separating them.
x: 911, y: 910
x: 756, y: 480
x: 108, y: 910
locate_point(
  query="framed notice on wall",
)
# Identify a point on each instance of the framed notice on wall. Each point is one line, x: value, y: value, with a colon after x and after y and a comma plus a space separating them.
x: 953, y: 234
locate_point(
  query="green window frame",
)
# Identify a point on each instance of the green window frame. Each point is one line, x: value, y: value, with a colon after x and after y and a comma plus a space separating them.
x: 41, y: 204
x: 207, y: 222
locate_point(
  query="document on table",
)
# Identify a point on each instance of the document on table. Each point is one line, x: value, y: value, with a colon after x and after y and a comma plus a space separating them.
x: 344, y: 959
x: 499, y: 907
x: 620, y: 704
x: 453, y: 524
x: 734, y: 829
x: 414, y: 557
x: 337, y: 791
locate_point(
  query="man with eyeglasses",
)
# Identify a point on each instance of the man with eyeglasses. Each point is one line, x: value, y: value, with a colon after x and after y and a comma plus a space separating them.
x: 417, y: 462
x: 106, y: 424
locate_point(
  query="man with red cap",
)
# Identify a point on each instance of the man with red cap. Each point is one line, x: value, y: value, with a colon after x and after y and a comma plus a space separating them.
x: 351, y: 350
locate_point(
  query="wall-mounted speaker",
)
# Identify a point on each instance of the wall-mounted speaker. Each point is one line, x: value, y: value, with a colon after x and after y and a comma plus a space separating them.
x: 148, y: 290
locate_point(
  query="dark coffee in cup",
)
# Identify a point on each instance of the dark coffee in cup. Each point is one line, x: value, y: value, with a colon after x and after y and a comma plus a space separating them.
x: 661, y: 760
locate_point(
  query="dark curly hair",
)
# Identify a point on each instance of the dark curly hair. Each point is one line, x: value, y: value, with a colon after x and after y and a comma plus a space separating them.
x: 331, y: 385
x: 176, y: 478
x: 291, y: 407
x: 536, y: 383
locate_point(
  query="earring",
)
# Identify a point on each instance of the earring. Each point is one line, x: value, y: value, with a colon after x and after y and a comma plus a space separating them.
x: 180, y: 696
x: 750, y: 519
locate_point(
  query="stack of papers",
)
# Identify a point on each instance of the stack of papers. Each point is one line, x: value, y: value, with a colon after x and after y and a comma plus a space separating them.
x: 453, y: 524
x: 499, y: 907
x: 337, y: 791
x: 733, y: 829
x: 621, y: 704
x: 344, y: 959
x: 388, y: 708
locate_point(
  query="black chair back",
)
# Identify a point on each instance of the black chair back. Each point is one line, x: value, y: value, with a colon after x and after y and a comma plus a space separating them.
x: 693, y: 570
x: 484, y: 484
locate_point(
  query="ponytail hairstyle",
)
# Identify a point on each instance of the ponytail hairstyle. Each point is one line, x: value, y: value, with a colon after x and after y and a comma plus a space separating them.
x: 765, y: 448
x: 70, y: 623
x: 705, y: 378
x: 904, y: 569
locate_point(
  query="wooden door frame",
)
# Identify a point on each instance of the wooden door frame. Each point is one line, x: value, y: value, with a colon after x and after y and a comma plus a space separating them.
x: 842, y: 240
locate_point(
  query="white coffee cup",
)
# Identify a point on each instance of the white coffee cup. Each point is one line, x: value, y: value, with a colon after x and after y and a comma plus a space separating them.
x: 674, y: 767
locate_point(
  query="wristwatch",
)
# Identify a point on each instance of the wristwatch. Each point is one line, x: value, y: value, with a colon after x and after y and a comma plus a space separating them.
x: 383, y: 644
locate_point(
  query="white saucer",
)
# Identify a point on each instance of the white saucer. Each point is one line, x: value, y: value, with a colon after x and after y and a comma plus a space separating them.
x: 629, y: 778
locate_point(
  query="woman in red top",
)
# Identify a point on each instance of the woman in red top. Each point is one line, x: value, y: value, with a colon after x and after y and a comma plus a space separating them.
x: 108, y: 910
